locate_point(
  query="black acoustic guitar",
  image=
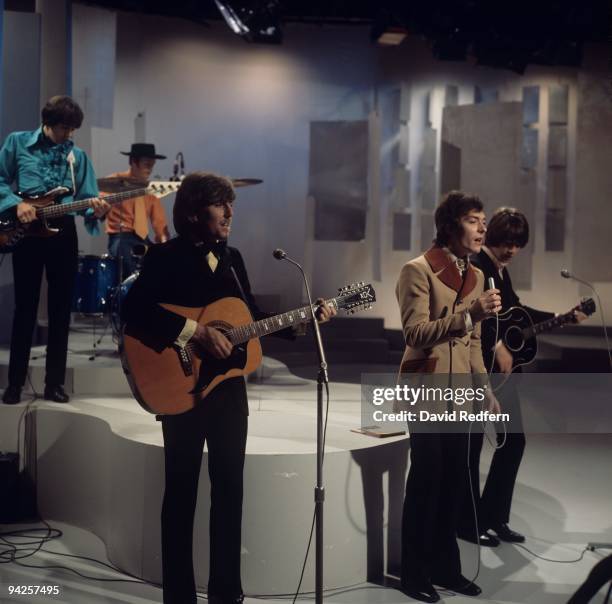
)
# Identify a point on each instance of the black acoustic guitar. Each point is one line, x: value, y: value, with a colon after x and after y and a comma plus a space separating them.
x: 519, y: 333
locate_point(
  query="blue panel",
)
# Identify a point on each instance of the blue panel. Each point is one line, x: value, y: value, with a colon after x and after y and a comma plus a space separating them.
x: 531, y: 104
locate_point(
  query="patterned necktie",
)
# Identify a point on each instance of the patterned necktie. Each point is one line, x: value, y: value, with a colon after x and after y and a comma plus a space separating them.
x: 212, y: 261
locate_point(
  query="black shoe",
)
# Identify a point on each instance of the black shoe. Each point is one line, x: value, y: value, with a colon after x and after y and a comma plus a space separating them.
x: 460, y: 585
x: 505, y: 533
x: 486, y: 539
x: 423, y: 591
x: 57, y: 394
x: 12, y: 395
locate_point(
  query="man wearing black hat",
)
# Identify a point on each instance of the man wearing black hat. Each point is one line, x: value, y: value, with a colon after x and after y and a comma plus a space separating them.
x: 127, y: 223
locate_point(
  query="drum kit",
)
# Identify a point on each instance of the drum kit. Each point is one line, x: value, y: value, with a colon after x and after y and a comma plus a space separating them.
x: 100, y: 288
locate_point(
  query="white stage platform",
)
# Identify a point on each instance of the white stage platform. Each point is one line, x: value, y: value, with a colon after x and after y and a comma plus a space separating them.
x: 100, y: 468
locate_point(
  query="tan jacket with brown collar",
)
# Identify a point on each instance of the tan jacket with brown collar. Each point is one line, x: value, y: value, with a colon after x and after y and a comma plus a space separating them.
x: 433, y: 299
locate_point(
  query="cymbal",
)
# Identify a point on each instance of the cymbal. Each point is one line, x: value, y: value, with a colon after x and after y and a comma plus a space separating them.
x: 246, y: 182
x: 118, y: 184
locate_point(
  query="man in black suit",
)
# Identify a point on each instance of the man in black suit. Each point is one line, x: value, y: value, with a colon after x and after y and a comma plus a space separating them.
x: 507, y: 233
x: 196, y: 269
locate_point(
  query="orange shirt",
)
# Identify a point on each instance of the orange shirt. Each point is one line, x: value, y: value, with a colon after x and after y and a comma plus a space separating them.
x: 121, y: 216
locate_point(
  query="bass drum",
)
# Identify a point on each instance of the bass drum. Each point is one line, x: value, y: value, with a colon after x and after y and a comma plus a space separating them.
x: 118, y: 297
x: 96, y: 278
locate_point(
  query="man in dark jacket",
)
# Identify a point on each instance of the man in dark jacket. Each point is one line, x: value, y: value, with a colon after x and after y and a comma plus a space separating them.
x: 507, y: 233
x: 196, y: 269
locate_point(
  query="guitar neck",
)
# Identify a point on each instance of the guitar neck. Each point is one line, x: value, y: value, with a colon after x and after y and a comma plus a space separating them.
x: 60, y: 209
x: 550, y: 324
x: 247, y: 332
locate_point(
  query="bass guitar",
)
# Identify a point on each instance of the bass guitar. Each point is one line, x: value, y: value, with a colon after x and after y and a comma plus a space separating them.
x: 12, y: 231
x: 519, y: 333
x: 174, y: 379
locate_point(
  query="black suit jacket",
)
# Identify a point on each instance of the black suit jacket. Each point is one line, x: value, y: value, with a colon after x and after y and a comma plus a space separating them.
x: 176, y: 272
x: 509, y: 299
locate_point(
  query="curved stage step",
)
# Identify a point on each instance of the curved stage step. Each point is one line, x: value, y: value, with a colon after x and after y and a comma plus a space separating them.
x: 100, y: 467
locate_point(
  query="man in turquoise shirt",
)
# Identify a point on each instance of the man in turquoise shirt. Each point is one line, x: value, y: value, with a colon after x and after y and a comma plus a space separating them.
x: 36, y: 162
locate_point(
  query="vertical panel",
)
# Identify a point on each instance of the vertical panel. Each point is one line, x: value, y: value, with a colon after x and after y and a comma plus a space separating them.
x: 450, y: 167
x: 94, y: 33
x: 489, y: 137
x: 531, y: 104
x: 21, y: 72
x: 402, y: 231
x: 338, y: 179
x: 592, y: 220
x: 426, y: 184
x: 557, y: 146
x: 558, y: 104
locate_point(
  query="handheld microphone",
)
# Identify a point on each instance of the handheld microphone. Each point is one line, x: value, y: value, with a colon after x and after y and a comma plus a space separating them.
x: 490, y: 283
x: 279, y: 254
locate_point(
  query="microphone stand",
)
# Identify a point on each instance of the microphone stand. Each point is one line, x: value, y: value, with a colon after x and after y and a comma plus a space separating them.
x: 319, y: 491
x: 567, y: 275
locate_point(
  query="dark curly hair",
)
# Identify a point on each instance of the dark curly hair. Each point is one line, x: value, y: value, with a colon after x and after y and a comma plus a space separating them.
x: 62, y: 110
x: 199, y: 189
x: 507, y: 226
x: 453, y: 207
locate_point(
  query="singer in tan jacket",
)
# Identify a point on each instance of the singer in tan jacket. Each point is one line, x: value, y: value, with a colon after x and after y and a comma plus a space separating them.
x: 442, y: 302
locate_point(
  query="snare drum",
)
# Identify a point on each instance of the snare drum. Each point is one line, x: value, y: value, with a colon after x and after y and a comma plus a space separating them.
x: 96, y: 277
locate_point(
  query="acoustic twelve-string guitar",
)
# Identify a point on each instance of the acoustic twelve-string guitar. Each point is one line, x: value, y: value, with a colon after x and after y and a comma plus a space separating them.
x: 174, y: 379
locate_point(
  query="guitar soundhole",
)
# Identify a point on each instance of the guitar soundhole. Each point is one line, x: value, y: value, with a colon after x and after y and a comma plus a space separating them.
x: 514, y: 339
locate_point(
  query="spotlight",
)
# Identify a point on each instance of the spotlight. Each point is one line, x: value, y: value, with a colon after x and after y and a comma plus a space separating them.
x: 254, y: 20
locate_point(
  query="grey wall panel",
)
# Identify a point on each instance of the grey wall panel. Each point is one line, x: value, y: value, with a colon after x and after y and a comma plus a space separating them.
x: 402, y: 231
x: 21, y: 72
x: 450, y: 167
x: 593, y: 218
x: 558, y: 99
x: 93, y: 63
x: 338, y: 179
x: 426, y: 184
x: 489, y: 136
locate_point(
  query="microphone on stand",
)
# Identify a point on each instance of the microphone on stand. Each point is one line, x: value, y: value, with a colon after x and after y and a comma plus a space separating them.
x: 565, y: 273
x: 322, y: 379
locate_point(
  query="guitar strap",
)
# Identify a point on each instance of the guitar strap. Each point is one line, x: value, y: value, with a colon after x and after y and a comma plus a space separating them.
x: 242, y: 294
